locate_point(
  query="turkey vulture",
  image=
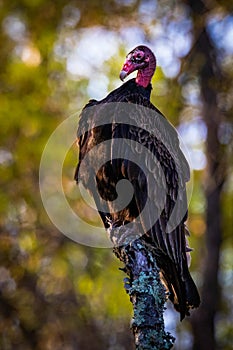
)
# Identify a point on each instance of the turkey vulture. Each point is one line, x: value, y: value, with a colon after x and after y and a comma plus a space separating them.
x: 125, y: 139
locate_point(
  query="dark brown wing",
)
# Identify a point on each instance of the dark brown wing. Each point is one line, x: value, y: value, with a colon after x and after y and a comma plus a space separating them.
x: 161, y: 188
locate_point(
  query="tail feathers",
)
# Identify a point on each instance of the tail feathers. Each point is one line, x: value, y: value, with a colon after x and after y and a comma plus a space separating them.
x: 192, y: 295
x: 176, y: 292
x: 182, y: 293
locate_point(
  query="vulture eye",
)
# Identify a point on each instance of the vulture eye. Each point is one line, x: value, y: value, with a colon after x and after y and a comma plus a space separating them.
x: 137, y: 58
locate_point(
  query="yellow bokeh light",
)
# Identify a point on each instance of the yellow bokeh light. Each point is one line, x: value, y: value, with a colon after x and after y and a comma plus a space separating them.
x: 197, y: 226
x: 31, y: 56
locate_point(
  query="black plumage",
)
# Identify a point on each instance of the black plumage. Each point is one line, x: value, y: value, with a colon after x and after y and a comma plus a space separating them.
x: 124, y: 130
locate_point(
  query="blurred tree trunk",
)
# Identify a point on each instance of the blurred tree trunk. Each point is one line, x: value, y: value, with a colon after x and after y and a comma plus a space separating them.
x: 210, y: 75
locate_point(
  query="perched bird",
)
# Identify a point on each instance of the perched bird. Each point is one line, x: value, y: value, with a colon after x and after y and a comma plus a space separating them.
x: 125, y: 137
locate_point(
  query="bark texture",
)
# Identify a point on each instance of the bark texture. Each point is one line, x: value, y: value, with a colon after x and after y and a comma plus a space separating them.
x: 209, y: 72
x: 147, y: 293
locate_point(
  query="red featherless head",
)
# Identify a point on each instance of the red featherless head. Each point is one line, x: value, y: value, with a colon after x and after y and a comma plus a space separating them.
x: 143, y: 60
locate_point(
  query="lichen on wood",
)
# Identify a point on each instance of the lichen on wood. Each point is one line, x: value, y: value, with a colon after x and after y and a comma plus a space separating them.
x: 143, y: 284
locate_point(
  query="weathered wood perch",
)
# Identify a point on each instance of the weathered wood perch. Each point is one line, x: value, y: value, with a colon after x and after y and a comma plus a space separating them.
x: 147, y: 293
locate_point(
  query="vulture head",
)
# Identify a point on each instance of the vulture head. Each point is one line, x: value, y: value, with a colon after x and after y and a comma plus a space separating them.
x: 143, y: 60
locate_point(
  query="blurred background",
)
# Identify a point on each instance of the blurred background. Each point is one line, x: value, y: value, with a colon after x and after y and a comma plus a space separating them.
x: 55, y: 56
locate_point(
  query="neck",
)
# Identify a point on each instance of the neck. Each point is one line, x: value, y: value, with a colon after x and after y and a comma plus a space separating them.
x: 143, y: 79
x: 145, y: 75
